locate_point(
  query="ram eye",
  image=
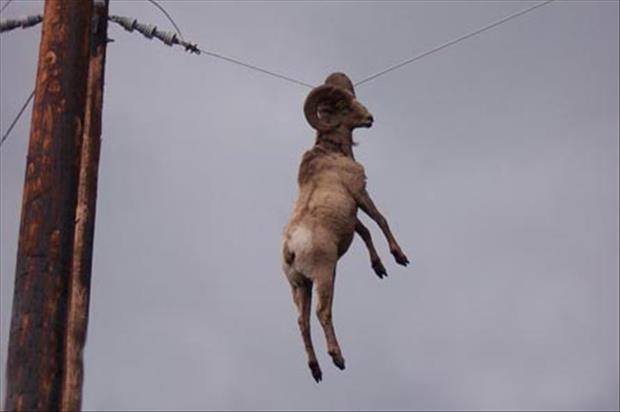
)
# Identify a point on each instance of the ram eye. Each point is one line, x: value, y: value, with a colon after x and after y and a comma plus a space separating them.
x: 342, y: 106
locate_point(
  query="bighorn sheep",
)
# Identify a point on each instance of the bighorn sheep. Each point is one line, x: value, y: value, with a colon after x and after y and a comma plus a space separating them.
x: 332, y: 186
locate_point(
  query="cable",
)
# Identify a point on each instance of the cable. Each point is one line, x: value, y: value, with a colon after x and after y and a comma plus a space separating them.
x: 452, y: 42
x: 8, y: 131
x: 130, y: 24
x: 166, y: 37
x: 229, y: 59
x: 21, y: 111
x: 5, y: 6
x: 193, y: 48
x: 256, y: 68
x: 163, y: 10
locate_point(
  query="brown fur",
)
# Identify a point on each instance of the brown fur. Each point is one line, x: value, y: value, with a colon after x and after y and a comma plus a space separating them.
x: 332, y: 186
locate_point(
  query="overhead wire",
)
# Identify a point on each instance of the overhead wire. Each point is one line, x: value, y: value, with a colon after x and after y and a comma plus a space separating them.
x: 194, y: 48
x: 24, y: 106
x: 375, y: 75
x: 31, y: 96
x: 256, y: 68
x: 228, y: 58
x: 14, y: 122
x: 169, y: 38
x: 5, y: 6
x: 452, y: 42
x: 163, y: 10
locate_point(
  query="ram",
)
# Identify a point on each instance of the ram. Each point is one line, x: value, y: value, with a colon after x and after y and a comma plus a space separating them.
x: 332, y: 186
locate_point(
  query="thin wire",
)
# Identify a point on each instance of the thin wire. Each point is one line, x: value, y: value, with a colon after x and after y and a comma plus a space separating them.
x: 453, y: 42
x: 5, y: 6
x: 163, y: 10
x: 21, y: 111
x: 299, y: 82
x: 256, y: 68
x: 230, y: 59
x: 8, y: 131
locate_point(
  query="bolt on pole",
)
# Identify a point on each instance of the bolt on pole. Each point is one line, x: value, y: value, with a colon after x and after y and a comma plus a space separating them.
x: 38, y: 335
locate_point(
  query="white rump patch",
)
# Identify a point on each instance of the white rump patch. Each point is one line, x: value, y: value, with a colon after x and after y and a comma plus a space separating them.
x: 301, y: 239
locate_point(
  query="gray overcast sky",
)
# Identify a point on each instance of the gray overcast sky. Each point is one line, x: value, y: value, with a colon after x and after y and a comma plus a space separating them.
x: 495, y: 161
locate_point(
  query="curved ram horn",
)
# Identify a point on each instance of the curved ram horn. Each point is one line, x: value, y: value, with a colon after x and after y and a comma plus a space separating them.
x: 318, y: 95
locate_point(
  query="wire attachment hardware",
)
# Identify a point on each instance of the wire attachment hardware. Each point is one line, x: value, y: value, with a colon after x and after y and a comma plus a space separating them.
x: 24, y: 22
x: 151, y: 31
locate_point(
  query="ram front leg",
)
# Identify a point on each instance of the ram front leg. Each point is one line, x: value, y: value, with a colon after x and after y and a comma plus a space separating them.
x: 367, y: 205
x: 375, y: 260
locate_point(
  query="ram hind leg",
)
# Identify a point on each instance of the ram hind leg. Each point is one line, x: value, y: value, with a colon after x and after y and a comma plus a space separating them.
x: 302, y: 295
x: 325, y: 296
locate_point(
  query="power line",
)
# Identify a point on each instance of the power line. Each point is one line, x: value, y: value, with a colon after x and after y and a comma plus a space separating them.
x: 170, y: 39
x: 5, y: 6
x: 129, y: 24
x: 150, y: 31
x: 230, y: 59
x: 154, y: 2
x: 374, y: 76
x: 163, y: 10
x: 453, y: 42
x: 21, y: 111
x: 8, y: 131
x: 255, y: 68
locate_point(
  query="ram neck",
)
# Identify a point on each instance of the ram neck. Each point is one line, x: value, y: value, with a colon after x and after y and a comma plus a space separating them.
x: 337, y: 142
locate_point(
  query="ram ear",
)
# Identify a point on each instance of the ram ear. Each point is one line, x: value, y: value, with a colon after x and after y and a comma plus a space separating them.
x: 324, y: 95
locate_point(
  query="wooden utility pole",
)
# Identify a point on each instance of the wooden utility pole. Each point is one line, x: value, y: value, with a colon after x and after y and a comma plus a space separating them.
x: 37, y: 359
x: 79, y: 281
